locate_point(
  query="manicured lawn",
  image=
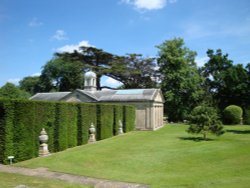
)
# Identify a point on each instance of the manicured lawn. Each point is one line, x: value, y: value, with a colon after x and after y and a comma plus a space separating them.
x: 168, y: 157
x: 12, y: 180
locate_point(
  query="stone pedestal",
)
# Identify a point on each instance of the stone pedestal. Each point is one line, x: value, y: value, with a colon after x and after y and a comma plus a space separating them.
x: 43, y: 150
x: 92, y: 138
x: 92, y: 131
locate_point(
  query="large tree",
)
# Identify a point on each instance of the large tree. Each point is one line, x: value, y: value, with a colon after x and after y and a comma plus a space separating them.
x: 134, y: 71
x: 180, y: 81
x: 225, y: 82
x: 30, y: 84
x: 91, y: 58
x: 10, y: 91
x: 62, y: 75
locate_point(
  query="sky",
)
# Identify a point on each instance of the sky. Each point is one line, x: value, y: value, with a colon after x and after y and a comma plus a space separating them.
x: 32, y: 31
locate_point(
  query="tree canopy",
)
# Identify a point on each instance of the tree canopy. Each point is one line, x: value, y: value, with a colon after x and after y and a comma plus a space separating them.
x: 10, y: 91
x: 180, y: 81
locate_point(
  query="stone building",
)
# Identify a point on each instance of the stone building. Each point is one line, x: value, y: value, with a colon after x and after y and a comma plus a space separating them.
x: 148, y: 102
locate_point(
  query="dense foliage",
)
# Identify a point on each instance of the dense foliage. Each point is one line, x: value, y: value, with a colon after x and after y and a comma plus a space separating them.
x: 204, y: 120
x: 67, y: 125
x: 232, y: 115
x: 180, y: 81
x: 10, y: 91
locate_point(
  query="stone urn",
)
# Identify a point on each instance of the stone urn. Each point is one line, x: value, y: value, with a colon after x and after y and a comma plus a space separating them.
x: 43, y: 138
x: 120, y: 129
x: 92, y: 131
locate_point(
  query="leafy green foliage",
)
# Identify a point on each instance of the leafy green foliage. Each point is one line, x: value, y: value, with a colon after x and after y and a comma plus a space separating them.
x: 10, y: 91
x: 232, y: 115
x: 30, y: 84
x: 226, y: 83
x: 133, y: 70
x: 204, y: 120
x: 62, y: 75
x: 181, y: 83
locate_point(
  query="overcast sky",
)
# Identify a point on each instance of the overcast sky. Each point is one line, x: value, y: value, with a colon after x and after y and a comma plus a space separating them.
x: 31, y: 31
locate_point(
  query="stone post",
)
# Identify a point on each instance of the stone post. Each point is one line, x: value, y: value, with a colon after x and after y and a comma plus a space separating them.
x: 43, y: 149
x: 120, y: 130
x: 92, y: 131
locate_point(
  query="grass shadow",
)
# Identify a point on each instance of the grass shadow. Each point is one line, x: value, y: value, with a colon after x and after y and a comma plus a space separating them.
x: 195, y: 139
x: 238, y: 131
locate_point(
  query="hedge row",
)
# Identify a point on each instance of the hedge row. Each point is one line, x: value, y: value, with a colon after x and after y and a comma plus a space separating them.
x: 67, y: 125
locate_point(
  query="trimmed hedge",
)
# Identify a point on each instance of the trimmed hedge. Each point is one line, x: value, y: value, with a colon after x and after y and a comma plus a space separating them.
x: 67, y: 125
x: 105, y: 121
x: 232, y: 115
x: 129, y: 118
x: 86, y: 116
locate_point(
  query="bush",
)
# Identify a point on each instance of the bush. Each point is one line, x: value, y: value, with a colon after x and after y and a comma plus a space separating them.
x: 232, y: 115
x: 204, y: 119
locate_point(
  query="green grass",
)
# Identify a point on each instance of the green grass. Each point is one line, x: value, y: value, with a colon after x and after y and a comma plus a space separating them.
x: 12, y: 180
x: 168, y: 157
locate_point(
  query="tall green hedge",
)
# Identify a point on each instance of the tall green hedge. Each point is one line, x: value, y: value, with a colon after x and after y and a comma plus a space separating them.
x: 67, y: 125
x: 129, y: 118
x: 6, y: 129
x: 105, y: 121
x: 86, y: 116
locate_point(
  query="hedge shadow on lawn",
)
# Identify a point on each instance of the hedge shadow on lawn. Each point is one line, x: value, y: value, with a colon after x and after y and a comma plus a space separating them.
x: 195, y: 139
x: 238, y: 131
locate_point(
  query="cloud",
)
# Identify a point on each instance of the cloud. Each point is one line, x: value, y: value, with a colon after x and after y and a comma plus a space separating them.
x: 148, y: 4
x: 35, y: 23
x: 36, y: 74
x: 108, y: 81
x: 60, y: 35
x: 14, y: 80
x: 201, y: 61
x: 72, y: 47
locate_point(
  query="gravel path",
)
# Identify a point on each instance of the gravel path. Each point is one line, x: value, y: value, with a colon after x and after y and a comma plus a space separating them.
x: 43, y: 172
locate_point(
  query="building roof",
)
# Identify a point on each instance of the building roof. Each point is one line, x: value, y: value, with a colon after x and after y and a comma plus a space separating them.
x: 126, y: 95
x: 54, y: 96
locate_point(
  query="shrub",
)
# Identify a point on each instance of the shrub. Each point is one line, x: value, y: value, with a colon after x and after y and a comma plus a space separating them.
x: 204, y: 119
x: 232, y: 115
